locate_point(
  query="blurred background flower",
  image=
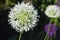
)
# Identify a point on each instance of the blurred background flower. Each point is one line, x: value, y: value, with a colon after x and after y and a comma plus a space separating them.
x: 52, y: 29
x: 52, y: 11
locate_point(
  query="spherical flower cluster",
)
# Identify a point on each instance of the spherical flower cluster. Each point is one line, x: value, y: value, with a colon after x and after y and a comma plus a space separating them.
x: 52, y: 11
x: 23, y: 17
x: 52, y: 29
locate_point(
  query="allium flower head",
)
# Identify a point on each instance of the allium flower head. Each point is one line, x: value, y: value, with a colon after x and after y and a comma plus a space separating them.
x: 52, y: 11
x: 23, y: 17
x: 52, y: 29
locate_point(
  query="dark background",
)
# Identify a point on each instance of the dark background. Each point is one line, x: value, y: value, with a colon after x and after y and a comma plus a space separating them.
x: 8, y: 33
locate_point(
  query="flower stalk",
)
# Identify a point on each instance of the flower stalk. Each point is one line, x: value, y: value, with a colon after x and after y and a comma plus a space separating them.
x: 48, y: 30
x: 51, y: 38
x: 55, y: 21
x: 20, y: 36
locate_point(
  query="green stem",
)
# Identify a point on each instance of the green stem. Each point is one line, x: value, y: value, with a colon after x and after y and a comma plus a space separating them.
x: 51, y: 38
x: 54, y: 35
x: 20, y: 36
x: 55, y: 21
x: 47, y: 31
x: 48, y: 38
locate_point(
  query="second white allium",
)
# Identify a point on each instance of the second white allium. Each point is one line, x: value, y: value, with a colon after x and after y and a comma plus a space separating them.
x: 23, y: 17
x: 52, y: 11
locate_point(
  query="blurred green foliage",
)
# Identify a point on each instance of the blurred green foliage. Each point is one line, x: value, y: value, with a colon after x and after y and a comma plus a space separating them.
x: 42, y: 3
x: 1, y: 5
x: 7, y: 3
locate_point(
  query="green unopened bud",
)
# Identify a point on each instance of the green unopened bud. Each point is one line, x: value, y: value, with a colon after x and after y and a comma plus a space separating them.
x: 43, y: 6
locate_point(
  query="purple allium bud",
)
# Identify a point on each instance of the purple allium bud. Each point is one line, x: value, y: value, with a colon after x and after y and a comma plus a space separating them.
x: 52, y: 29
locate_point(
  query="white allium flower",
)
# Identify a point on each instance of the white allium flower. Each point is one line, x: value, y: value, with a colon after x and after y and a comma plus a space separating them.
x: 23, y: 17
x: 52, y: 11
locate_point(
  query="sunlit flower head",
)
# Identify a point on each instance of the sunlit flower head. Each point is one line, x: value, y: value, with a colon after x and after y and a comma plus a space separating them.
x: 23, y: 17
x: 52, y: 29
x: 52, y: 11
